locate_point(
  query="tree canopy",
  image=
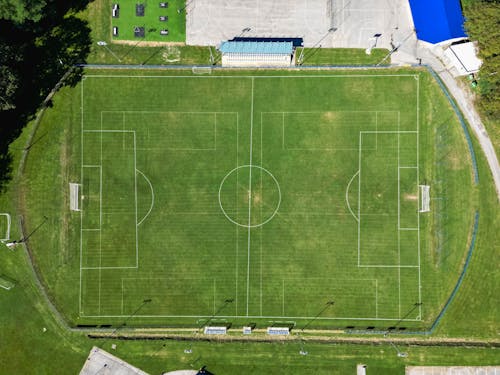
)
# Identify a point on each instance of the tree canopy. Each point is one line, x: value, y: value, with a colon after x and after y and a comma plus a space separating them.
x: 483, y: 25
x: 21, y: 10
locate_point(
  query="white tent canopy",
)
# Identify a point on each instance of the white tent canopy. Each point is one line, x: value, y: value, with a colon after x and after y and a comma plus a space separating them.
x: 462, y: 57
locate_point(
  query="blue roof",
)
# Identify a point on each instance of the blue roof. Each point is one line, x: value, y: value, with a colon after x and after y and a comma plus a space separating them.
x: 437, y: 20
x: 257, y: 47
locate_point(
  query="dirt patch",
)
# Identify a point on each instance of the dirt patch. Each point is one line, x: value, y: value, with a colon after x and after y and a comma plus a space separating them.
x: 411, y: 197
x: 454, y: 160
x: 257, y: 198
x: 329, y: 116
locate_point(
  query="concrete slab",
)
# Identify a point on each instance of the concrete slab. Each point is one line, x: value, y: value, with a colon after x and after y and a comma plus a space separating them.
x: 355, y: 21
x: 101, y: 362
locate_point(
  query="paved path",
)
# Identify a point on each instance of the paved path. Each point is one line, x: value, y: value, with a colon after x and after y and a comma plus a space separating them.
x: 408, y: 54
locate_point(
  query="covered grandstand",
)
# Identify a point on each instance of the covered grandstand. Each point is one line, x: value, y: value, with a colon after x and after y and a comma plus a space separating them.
x: 243, y: 53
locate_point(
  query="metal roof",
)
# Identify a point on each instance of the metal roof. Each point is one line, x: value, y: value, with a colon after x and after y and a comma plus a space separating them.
x: 275, y: 48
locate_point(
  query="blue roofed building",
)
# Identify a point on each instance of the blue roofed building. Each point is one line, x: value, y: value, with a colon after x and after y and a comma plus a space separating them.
x: 257, y: 53
x: 438, y: 21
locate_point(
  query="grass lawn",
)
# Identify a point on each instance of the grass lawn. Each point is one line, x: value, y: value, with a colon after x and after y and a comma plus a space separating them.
x: 127, y: 20
x: 169, y: 196
x: 27, y: 349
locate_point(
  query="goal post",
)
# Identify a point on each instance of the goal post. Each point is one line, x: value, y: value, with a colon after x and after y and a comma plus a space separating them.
x: 4, y: 227
x: 424, y: 198
x: 201, y: 70
x: 74, y: 196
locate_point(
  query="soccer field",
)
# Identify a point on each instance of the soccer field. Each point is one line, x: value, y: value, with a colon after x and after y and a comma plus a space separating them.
x: 280, y: 193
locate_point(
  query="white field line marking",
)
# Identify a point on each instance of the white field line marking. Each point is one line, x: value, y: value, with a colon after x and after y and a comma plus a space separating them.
x: 109, y: 268
x: 253, y: 76
x: 108, y: 131
x: 386, y: 266
x: 388, y: 132
x: 418, y: 202
x: 136, y: 230
x: 237, y: 226
x: 399, y: 223
x: 176, y: 112
x: 359, y: 197
x: 262, y: 199
x: 91, y: 166
x: 282, y: 130
x: 403, y: 167
x: 100, y: 216
x: 283, y: 299
x: 152, y: 197
x: 122, y: 295
x: 91, y: 229
x: 250, y: 198
x: 173, y: 149
x: 80, y: 311
x: 253, y: 316
x: 347, y: 195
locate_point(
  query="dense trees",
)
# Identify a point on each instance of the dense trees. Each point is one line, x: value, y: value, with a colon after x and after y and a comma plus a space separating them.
x: 21, y: 10
x: 483, y: 25
x: 39, y: 41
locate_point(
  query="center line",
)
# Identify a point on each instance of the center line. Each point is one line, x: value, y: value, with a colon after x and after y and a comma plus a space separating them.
x: 249, y: 199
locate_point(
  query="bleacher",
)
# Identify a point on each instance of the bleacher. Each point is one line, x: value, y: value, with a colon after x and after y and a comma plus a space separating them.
x: 278, y: 330
x: 209, y: 330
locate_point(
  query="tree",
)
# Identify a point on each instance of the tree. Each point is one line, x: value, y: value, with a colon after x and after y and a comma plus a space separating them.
x: 8, y: 86
x: 483, y: 25
x: 21, y: 10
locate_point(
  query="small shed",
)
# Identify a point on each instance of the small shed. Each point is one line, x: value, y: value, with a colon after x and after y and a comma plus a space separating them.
x: 255, y: 54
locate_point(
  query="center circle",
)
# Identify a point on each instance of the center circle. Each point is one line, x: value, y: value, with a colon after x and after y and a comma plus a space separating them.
x: 249, y: 196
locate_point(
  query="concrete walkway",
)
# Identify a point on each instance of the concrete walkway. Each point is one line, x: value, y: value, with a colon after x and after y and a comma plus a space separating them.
x: 408, y: 54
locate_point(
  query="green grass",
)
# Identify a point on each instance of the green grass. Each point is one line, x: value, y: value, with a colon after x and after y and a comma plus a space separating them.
x: 343, y: 56
x: 188, y: 261
x: 127, y: 21
x: 27, y: 349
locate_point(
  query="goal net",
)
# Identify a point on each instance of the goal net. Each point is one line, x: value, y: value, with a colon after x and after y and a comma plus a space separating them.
x: 4, y: 227
x: 425, y: 198
x: 201, y: 70
x: 74, y: 196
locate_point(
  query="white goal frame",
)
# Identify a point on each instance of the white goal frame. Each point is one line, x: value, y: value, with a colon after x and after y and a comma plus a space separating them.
x: 201, y: 70
x: 425, y: 198
x: 74, y: 196
x: 6, y: 235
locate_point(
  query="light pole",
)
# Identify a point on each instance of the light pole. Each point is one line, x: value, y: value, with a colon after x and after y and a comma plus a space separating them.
x: 301, y: 57
x: 143, y: 303
x: 302, y: 341
x: 227, y: 301
x: 180, y: 10
x: 12, y: 245
x: 386, y: 334
x: 102, y: 43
